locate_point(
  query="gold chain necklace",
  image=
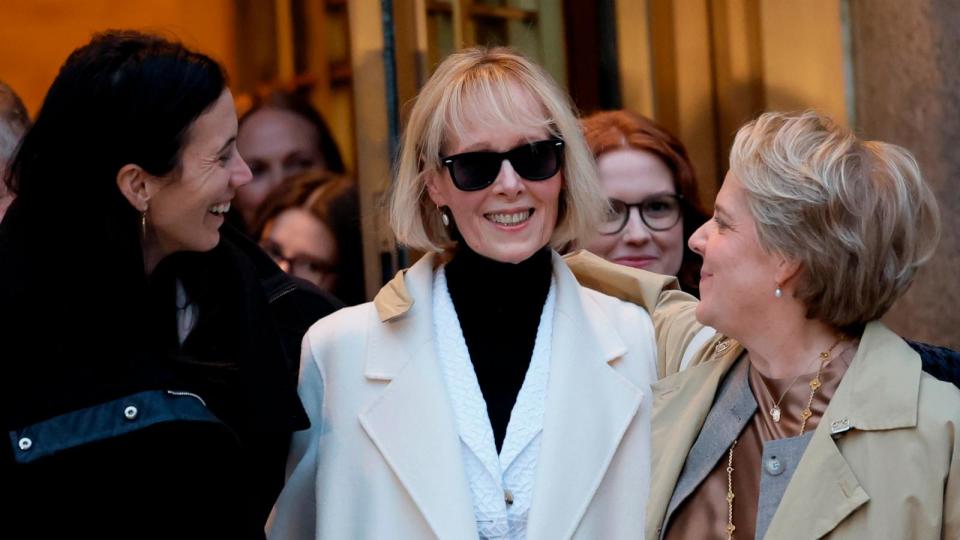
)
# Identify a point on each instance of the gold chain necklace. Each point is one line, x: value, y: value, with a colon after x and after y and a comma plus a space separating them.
x: 805, y: 414
x: 775, y: 410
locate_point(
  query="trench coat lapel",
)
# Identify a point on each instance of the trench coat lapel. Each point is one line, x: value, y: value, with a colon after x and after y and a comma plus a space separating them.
x: 681, y: 403
x: 821, y: 494
x: 733, y: 408
x: 411, y: 423
x: 880, y: 391
x: 589, y: 407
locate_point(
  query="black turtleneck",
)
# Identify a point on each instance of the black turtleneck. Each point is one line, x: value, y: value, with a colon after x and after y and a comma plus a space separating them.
x: 499, y: 306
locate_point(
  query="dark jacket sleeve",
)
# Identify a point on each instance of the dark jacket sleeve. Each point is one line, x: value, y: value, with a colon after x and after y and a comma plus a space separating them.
x: 941, y: 362
x: 295, y: 304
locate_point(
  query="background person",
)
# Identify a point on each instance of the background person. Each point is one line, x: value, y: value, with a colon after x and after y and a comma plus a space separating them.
x: 490, y: 395
x: 282, y: 135
x: 647, y: 176
x: 14, y: 122
x: 310, y: 225
x: 151, y: 395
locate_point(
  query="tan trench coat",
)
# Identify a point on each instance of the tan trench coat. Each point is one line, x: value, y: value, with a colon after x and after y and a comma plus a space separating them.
x: 883, y: 463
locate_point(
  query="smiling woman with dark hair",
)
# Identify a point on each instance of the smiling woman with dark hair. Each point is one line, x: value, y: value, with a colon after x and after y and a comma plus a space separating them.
x: 148, y: 355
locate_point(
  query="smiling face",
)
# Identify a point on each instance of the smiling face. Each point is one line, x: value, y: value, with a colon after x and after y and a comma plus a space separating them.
x: 738, y: 277
x: 633, y: 176
x: 513, y: 218
x: 277, y: 144
x: 186, y: 208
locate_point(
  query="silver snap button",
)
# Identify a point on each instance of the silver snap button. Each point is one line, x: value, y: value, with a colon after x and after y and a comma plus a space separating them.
x: 25, y: 443
x: 130, y: 413
x: 773, y: 466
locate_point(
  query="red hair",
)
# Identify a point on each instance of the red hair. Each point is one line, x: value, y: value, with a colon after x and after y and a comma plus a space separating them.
x: 607, y: 131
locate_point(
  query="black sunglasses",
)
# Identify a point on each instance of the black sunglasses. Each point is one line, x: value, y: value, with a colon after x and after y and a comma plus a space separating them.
x: 658, y: 213
x: 473, y: 171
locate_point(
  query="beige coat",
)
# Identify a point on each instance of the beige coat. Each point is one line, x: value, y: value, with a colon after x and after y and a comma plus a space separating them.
x: 383, y: 458
x: 884, y: 461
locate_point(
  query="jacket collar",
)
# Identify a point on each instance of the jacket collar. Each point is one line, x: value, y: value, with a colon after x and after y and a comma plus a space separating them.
x: 411, y: 422
x: 413, y: 425
x: 883, y: 383
x: 730, y: 413
x: 589, y: 408
x: 681, y: 403
x: 879, y: 391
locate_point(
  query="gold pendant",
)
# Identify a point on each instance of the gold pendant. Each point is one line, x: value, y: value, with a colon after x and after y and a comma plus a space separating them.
x: 775, y: 413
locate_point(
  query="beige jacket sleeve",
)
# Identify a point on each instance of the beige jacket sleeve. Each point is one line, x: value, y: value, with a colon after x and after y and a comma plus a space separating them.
x: 951, y: 495
x: 672, y: 310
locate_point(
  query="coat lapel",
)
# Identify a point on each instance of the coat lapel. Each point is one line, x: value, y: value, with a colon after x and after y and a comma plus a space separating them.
x: 681, y: 403
x: 732, y: 410
x: 880, y: 391
x: 822, y: 492
x: 589, y: 407
x: 411, y: 423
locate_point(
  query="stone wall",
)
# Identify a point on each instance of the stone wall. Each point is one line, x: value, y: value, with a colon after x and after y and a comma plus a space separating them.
x: 907, y: 91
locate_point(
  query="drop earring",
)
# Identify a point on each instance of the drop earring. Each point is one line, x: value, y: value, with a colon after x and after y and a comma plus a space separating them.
x: 778, y: 293
x: 443, y: 217
x: 143, y: 224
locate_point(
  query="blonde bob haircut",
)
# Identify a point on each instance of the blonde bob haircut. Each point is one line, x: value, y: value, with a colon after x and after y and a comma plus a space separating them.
x: 856, y: 215
x: 474, y: 86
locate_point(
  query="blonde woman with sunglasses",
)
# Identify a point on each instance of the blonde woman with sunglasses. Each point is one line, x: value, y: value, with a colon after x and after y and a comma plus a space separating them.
x: 484, y: 393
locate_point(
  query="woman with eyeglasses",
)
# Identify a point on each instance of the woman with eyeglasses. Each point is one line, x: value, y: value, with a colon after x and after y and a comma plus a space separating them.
x: 310, y: 225
x: 654, y: 203
x: 484, y: 393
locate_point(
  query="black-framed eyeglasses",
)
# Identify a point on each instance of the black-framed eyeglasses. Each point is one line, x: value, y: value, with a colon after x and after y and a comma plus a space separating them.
x: 658, y: 213
x: 473, y: 171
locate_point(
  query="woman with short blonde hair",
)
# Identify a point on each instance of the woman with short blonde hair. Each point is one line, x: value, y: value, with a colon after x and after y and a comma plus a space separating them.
x: 844, y: 208
x: 484, y: 393
x: 812, y: 418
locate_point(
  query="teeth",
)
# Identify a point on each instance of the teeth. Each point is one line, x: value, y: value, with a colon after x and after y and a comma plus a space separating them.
x: 220, y: 209
x: 509, y: 219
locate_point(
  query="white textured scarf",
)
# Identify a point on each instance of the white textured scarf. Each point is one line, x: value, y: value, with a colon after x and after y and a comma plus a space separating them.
x: 493, y: 479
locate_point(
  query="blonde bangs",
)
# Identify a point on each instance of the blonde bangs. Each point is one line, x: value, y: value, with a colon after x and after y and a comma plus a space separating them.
x: 486, y: 99
x: 477, y: 88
